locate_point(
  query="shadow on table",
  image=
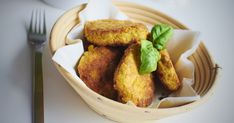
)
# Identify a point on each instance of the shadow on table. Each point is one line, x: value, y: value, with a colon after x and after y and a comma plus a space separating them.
x: 19, y: 78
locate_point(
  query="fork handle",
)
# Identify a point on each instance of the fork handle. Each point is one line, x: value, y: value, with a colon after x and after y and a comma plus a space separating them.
x: 38, y: 102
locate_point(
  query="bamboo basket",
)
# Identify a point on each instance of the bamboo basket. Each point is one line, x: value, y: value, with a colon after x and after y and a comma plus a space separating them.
x: 206, y: 71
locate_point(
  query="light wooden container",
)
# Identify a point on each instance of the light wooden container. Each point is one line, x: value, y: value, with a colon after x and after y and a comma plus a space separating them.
x: 206, y: 70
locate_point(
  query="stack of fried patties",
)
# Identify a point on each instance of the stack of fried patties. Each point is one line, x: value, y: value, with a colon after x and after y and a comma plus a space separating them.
x: 110, y: 64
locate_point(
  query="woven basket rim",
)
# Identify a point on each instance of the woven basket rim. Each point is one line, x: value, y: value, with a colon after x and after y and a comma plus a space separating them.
x: 182, y: 108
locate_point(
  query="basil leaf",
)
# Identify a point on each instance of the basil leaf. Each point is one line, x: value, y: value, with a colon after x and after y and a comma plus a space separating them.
x: 160, y: 35
x: 149, y: 57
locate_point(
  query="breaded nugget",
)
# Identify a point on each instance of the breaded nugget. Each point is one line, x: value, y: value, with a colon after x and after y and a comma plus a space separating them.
x: 166, y: 72
x: 132, y: 86
x: 114, y: 32
x: 96, y: 68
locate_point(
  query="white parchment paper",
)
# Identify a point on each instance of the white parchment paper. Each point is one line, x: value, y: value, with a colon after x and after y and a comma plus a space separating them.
x: 181, y: 45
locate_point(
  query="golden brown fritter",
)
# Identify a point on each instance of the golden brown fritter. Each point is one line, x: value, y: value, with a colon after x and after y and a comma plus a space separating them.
x: 132, y: 86
x: 96, y: 68
x: 114, y: 32
x: 166, y: 72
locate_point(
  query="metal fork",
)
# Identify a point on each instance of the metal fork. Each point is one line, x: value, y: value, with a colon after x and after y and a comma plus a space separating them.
x: 37, y: 39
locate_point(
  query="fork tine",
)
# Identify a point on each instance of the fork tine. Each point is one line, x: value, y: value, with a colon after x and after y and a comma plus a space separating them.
x: 31, y: 22
x: 44, y: 23
x: 36, y: 21
x: 40, y: 23
x: 37, y: 29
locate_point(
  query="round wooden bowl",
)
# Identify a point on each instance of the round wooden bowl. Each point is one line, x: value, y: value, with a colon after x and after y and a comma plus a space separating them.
x: 206, y: 70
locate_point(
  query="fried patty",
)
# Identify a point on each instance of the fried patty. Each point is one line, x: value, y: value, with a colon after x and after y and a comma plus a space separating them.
x: 166, y: 72
x: 96, y: 68
x: 132, y: 86
x: 114, y: 32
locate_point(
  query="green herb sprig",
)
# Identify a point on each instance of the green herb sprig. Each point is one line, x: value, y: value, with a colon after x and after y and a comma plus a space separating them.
x: 160, y: 35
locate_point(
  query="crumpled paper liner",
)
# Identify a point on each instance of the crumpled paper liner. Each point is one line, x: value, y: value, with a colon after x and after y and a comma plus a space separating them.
x: 181, y: 45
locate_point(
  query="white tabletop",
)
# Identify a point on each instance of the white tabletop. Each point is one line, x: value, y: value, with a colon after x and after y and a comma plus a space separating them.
x: 214, y: 18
